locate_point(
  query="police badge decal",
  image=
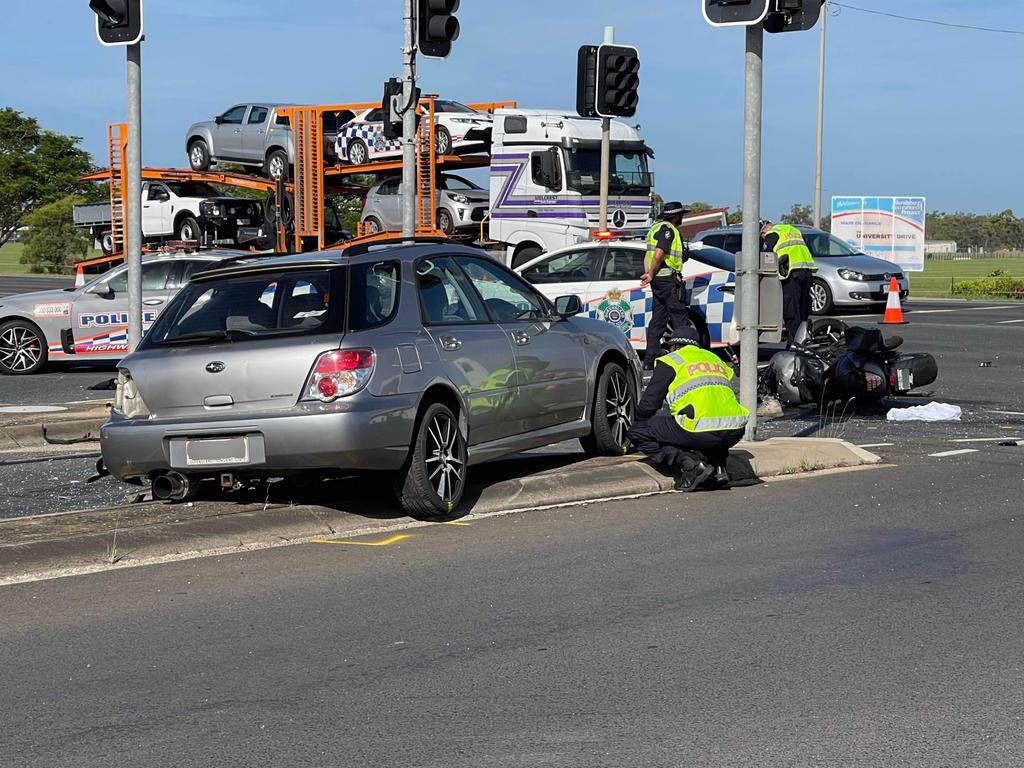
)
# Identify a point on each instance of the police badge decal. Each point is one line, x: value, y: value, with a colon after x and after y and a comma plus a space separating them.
x: 616, y: 310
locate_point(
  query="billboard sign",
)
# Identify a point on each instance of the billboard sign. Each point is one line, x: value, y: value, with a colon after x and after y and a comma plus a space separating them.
x: 891, y: 228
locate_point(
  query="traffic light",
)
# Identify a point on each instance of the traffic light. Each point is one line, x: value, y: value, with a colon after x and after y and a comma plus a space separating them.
x: 437, y: 27
x: 118, y: 22
x: 391, y: 106
x: 586, y: 80
x: 734, y: 13
x: 792, y: 15
x: 617, y: 81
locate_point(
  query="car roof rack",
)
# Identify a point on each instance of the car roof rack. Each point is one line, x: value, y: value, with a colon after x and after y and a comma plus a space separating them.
x: 358, y: 249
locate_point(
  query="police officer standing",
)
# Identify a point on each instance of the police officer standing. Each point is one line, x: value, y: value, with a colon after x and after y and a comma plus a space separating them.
x: 796, y: 265
x: 703, y: 418
x: 664, y: 268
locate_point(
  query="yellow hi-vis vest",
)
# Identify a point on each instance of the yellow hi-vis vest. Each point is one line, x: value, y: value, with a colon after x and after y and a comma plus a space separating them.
x: 791, y: 244
x: 702, y: 381
x: 673, y: 261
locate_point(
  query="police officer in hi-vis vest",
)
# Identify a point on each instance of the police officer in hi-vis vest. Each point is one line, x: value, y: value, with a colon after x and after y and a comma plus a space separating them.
x: 664, y: 268
x: 796, y: 265
x: 702, y: 418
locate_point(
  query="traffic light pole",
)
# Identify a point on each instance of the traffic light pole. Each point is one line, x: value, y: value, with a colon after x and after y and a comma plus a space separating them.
x: 409, y: 123
x: 821, y: 120
x: 747, y: 278
x: 606, y: 151
x: 133, y: 189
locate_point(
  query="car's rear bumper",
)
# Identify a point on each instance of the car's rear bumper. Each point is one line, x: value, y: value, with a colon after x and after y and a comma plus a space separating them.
x: 368, y: 433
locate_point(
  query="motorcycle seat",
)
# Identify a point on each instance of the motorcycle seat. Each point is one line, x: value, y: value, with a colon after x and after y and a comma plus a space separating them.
x: 892, y: 342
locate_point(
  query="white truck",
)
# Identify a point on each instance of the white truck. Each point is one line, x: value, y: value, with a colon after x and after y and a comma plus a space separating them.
x: 185, y: 210
x: 545, y: 181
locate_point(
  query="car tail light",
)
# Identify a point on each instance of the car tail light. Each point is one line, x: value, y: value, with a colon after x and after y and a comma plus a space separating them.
x: 339, y: 373
x: 127, y: 398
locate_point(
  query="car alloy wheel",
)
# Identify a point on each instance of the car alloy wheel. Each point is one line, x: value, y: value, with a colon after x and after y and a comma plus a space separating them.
x: 442, y: 141
x: 198, y: 156
x: 821, y: 299
x: 276, y: 166
x: 444, y: 222
x: 21, y: 349
x: 357, y: 153
x: 619, y: 407
x: 445, y: 458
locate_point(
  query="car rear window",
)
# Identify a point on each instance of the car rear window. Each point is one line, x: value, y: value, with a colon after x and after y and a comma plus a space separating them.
x: 251, y: 307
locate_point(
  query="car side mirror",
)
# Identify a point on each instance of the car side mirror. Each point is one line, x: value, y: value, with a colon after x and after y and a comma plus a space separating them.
x: 103, y: 290
x: 218, y: 119
x: 567, y: 306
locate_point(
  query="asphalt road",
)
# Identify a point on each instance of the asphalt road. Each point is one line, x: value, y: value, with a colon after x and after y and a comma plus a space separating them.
x: 11, y: 284
x: 863, y: 619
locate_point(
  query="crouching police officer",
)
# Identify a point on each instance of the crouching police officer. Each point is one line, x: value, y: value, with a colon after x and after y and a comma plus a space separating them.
x: 796, y: 265
x: 703, y: 418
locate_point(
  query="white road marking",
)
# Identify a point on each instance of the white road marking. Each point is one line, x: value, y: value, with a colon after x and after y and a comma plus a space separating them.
x: 1008, y: 413
x: 960, y: 452
x: 932, y: 311
x: 876, y: 445
x: 982, y: 439
x: 1007, y: 322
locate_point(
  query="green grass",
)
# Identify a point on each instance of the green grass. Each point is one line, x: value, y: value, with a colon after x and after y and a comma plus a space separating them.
x: 10, y: 259
x: 938, y: 277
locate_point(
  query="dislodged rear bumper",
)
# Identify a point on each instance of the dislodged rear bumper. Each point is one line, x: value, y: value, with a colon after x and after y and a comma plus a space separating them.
x: 365, y: 433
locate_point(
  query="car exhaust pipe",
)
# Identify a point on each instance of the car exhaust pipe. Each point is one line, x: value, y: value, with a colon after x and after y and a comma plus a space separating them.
x: 172, y: 486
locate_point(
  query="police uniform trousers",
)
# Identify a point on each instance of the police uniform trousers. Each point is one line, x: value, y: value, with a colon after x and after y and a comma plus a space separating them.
x: 668, y: 307
x: 664, y: 441
x: 796, y: 301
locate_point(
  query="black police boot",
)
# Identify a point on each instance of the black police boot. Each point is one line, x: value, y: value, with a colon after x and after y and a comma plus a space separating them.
x: 721, y: 478
x: 690, y: 480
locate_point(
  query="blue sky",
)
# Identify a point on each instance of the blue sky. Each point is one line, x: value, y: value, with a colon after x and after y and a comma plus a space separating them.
x: 911, y: 109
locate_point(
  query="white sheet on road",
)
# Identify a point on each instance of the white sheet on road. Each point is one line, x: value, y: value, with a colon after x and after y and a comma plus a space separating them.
x: 932, y: 412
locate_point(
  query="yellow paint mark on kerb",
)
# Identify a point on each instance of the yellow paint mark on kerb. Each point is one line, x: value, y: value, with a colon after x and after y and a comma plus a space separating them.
x: 456, y: 522
x: 382, y: 543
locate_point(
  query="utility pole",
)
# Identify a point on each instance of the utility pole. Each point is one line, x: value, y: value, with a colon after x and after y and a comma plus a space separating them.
x: 409, y: 122
x: 747, y: 278
x: 821, y: 120
x: 606, y: 151
x: 133, y: 188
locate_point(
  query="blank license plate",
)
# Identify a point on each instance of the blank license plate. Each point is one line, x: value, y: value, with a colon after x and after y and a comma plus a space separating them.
x: 217, y: 450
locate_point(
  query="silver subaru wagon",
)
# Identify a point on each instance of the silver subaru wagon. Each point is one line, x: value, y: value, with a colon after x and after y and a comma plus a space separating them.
x: 418, y: 359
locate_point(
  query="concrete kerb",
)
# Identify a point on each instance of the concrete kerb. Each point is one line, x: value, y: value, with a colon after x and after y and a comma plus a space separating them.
x: 79, y: 422
x: 48, y: 546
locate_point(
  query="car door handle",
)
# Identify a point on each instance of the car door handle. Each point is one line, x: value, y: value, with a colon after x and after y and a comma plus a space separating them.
x: 152, y: 302
x: 449, y: 343
x: 521, y: 337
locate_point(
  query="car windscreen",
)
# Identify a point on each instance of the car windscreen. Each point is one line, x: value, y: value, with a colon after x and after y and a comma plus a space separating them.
x: 456, y: 184
x: 451, y: 106
x: 628, y: 175
x: 822, y: 244
x: 249, y: 307
x: 192, y: 189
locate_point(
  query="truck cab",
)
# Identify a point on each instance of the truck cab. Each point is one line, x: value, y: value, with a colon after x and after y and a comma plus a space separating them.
x: 546, y: 177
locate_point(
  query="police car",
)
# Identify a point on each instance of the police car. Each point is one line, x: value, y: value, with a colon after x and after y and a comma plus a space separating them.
x: 90, y: 322
x: 457, y: 128
x: 606, y: 276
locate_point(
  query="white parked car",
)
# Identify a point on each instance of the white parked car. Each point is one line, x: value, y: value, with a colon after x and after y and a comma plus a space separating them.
x: 458, y: 128
x: 606, y: 277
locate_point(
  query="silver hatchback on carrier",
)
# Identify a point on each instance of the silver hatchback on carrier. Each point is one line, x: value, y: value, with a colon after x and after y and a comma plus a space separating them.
x: 418, y: 359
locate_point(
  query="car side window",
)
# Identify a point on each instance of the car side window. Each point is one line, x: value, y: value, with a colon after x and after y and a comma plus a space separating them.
x: 157, y: 192
x: 154, y: 277
x: 373, y: 297
x: 234, y: 115
x: 282, y: 120
x: 505, y: 295
x: 390, y: 187
x: 715, y: 241
x: 257, y: 115
x: 733, y: 243
x: 623, y: 264
x: 444, y: 298
x: 374, y: 116
x: 571, y: 267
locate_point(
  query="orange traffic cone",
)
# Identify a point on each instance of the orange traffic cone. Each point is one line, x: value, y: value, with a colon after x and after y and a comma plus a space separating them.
x: 893, y: 310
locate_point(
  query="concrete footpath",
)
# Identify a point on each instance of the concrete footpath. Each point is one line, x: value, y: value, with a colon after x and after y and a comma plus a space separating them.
x: 49, y: 546
x: 36, y: 426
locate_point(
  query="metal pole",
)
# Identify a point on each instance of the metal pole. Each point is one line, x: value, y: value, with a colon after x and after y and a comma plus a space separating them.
x: 409, y: 123
x: 821, y: 119
x: 606, y: 150
x: 747, y: 276
x: 133, y: 222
